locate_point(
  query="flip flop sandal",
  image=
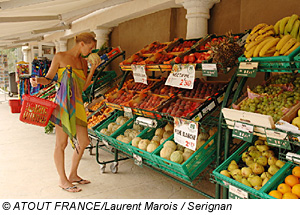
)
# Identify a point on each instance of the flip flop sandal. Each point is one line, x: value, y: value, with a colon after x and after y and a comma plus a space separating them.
x: 82, y: 181
x: 70, y: 189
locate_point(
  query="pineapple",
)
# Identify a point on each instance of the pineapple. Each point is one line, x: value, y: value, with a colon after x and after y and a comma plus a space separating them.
x: 226, y: 52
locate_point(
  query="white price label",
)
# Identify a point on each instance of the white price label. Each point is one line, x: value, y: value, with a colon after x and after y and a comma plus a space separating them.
x: 128, y: 112
x: 208, y: 108
x: 138, y: 160
x: 242, y: 41
x: 243, y: 127
x: 182, y: 76
x: 248, y: 65
x: 185, y: 133
x: 139, y: 73
x: 209, y: 66
x: 236, y: 193
x: 276, y: 134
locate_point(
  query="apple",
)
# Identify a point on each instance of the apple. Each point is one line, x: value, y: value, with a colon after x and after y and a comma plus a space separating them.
x: 177, y: 59
x: 186, y: 59
x: 192, y: 58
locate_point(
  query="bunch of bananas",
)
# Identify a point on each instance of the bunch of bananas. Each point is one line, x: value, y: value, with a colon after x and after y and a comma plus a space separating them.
x: 288, y: 25
x: 267, y: 40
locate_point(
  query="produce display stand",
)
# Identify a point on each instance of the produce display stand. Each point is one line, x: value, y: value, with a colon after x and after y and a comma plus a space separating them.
x: 198, y: 166
x: 289, y: 145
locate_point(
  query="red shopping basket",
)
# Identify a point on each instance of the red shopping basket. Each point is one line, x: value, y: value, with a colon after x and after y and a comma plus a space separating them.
x: 36, y: 111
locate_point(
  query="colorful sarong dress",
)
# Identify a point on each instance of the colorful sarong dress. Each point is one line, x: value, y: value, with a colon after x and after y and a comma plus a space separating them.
x: 70, y: 110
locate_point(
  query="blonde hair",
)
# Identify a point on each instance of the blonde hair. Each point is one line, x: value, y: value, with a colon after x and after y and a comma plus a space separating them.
x: 85, y: 37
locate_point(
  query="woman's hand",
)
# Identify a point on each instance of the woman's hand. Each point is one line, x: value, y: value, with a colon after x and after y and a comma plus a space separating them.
x: 95, y: 65
x: 34, y: 82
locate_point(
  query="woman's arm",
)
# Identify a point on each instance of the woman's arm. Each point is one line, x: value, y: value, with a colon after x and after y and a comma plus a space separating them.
x: 50, y: 74
x: 90, y: 75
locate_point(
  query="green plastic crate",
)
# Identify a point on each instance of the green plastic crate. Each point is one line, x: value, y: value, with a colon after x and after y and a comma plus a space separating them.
x: 148, y: 134
x: 270, y: 64
x: 191, y: 168
x: 105, y: 124
x: 273, y: 183
x: 226, y: 181
x: 125, y: 147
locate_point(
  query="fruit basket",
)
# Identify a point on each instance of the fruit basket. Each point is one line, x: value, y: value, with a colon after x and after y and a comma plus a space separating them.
x: 153, y: 48
x: 130, y: 85
x: 161, y: 89
x: 273, y: 183
x: 238, y: 156
x: 122, y: 138
x: 193, y: 166
x: 149, y: 137
x: 118, y: 98
x: 110, y: 126
x: 274, y: 63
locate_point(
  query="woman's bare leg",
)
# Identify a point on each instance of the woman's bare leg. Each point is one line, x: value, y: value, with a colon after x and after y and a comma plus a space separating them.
x: 84, y: 141
x: 59, y: 159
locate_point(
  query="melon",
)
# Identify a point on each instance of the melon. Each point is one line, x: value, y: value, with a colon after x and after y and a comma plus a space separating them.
x: 177, y: 157
x: 166, y: 152
x: 159, y: 132
x: 162, y: 141
x: 120, y: 138
x: 203, y: 135
x: 118, y: 120
x: 170, y: 144
x: 169, y: 127
x: 167, y: 134
x: 111, y: 126
x: 105, y: 131
x: 126, y: 139
x: 188, y: 150
x: 114, y: 128
x: 133, y: 133
x: 143, y: 144
x: 123, y: 120
x: 200, y: 143
x: 152, y: 146
x: 135, y: 141
x: 137, y: 127
x: 186, y: 155
x: 180, y: 148
x: 157, y: 138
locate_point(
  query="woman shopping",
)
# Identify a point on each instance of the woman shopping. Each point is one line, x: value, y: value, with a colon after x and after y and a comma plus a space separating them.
x: 69, y: 116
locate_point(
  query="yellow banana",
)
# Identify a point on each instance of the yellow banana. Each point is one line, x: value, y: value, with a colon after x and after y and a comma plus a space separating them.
x: 269, y: 45
x: 249, y: 53
x: 283, y: 23
x: 290, y: 23
x: 283, y: 41
x: 260, y: 46
x: 271, y: 50
x: 265, y: 35
x: 285, y: 31
x: 253, y: 43
x: 298, y: 37
x: 257, y: 28
x: 253, y: 36
x: 297, y: 44
x: 288, y: 45
x: 294, y: 32
x: 276, y: 53
x: 265, y: 29
x: 276, y: 27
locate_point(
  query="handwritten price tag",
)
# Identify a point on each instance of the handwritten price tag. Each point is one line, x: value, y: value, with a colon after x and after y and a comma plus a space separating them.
x: 185, y: 133
x: 209, y: 69
x: 139, y: 73
x: 277, y: 138
x: 182, y: 76
x: 247, y: 69
x: 243, y: 131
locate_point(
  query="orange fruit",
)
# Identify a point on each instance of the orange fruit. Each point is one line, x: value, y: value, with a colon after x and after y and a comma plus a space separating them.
x: 276, y: 194
x: 289, y: 195
x: 291, y: 180
x: 284, y: 188
x: 296, y: 190
x: 296, y: 171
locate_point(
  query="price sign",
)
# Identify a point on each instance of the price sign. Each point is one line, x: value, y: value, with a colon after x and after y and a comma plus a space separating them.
x: 243, y: 131
x: 208, y: 108
x: 138, y: 160
x: 241, y: 42
x: 236, y: 193
x: 278, y: 139
x: 185, y: 133
x: 139, y: 73
x: 247, y: 69
x: 209, y: 69
x: 128, y: 112
x: 182, y: 76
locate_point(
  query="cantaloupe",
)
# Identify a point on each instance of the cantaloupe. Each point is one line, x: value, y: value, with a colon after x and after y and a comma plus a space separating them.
x: 152, y: 146
x: 169, y: 127
x: 137, y: 127
x: 166, y: 152
x: 143, y: 144
x: 203, y: 135
x: 180, y: 148
x: 177, y: 157
x: 167, y: 134
x: 186, y: 155
x: 126, y: 139
x: 170, y: 144
x: 162, y: 141
x: 111, y: 125
x: 135, y: 141
x: 159, y: 132
x: 157, y: 138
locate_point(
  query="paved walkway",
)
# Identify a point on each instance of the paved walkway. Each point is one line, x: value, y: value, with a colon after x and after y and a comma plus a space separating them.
x: 27, y: 169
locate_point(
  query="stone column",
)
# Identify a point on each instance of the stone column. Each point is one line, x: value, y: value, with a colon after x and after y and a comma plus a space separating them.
x: 57, y: 49
x: 40, y: 50
x: 101, y: 35
x: 62, y: 45
x: 197, y: 16
x: 25, y: 53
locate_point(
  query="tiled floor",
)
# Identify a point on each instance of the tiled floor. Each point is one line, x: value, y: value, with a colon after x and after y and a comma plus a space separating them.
x: 27, y: 170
